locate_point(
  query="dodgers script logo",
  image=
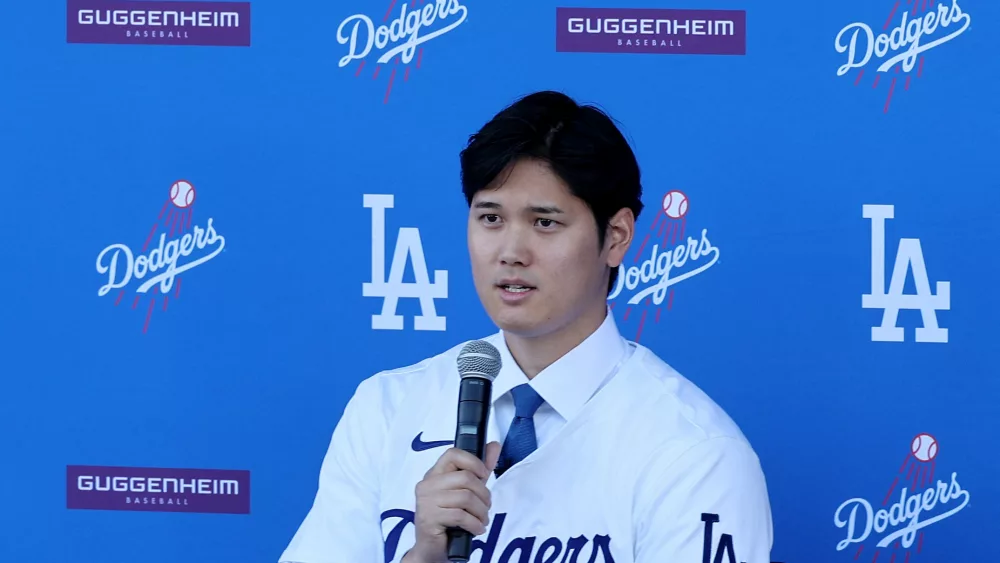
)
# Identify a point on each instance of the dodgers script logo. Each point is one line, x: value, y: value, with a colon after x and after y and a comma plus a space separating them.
x: 181, y: 246
x: 596, y: 549
x: 909, y: 256
x: 669, y: 255
x: 919, y: 502
x: 415, y: 24
x: 391, y: 290
x: 918, y: 29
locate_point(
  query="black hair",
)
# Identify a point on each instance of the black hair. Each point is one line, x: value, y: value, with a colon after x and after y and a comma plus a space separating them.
x: 580, y: 143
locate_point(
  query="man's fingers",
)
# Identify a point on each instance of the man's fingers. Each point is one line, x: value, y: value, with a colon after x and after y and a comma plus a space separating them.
x: 492, y: 456
x: 466, y: 500
x: 458, y: 518
x: 455, y: 459
x: 455, y: 481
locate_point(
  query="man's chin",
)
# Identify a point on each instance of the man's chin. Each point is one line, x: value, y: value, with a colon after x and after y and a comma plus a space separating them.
x: 519, y: 321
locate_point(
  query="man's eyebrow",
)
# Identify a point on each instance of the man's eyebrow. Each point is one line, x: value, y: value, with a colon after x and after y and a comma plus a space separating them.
x: 541, y: 209
x: 546, y: 209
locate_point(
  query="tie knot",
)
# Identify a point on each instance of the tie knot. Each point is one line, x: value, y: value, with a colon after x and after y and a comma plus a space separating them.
x: 526, y: 401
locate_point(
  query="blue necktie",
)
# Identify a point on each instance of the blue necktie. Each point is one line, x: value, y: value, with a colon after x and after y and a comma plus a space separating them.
x: 520, y: 440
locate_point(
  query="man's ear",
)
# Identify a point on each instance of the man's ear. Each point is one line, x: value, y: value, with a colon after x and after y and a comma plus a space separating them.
x: 620, y: 231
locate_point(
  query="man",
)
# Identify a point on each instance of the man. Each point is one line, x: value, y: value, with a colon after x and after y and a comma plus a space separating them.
x: 599, y: 451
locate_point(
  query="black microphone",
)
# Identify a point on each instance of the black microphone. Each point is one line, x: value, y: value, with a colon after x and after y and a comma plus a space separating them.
x: 478, y: 365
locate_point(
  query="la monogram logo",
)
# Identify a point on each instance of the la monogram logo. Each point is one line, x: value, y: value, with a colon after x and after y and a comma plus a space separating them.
x: 908, y: 256
x: 408, y: 246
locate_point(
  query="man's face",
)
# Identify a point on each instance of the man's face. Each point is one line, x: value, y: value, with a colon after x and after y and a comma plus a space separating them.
x: 535, y: 257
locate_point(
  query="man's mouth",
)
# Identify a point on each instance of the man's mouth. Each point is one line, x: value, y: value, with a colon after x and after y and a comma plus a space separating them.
x: 515, y: 288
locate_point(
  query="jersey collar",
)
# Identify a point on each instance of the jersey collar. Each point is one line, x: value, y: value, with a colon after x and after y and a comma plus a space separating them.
x: 572, y: 380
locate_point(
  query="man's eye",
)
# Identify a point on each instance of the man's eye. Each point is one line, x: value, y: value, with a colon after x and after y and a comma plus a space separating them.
x: 546, y: 222
x: 490, y: 218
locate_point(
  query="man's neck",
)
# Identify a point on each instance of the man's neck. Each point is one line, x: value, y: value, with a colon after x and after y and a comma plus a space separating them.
x: 534, y: 354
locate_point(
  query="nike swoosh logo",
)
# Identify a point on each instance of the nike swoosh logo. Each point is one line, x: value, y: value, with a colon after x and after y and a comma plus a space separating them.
x: 419, y: 445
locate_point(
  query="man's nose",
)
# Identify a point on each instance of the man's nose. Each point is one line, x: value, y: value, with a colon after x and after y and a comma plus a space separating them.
x: 515, y: 249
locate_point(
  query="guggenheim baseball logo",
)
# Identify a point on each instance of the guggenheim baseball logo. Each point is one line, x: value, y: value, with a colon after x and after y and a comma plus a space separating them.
x: 125, y: 22
x: 155, y: 269
x: 219, y: 491
x: 917, y: 502
x: 651, y: 30
x: 669, y: 255
x: 921, y: 26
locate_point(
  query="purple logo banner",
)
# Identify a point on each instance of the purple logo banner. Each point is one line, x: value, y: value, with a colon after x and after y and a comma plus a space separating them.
x: 123, y: 22
x: 642, y: 30
x: 157, y: 489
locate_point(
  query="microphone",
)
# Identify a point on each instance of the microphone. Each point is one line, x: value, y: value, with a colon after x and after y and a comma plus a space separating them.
x: 478, y: 365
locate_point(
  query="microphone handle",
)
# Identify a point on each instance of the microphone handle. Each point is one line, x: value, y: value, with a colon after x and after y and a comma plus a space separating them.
x: 470, y: 435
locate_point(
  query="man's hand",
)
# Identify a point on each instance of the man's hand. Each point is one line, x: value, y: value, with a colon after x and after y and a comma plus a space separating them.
x: 453, y: 493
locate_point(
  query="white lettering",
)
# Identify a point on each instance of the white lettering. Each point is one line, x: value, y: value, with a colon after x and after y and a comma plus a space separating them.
x: 165, y: 256
x: 229, y: 19
x: 906, y: 512
x: 157, y: 18
x: 229, y: 487
x: 658, y: 268
x: 649, y: 26
x: 906, y: 37
x: 408, y: 246
x: 909, y: 256
x: 157, y: 485
x: 363, y: 35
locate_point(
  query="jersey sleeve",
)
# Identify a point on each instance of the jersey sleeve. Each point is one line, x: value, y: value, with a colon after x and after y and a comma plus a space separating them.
x: 343, y: 524
x: 709, y: 505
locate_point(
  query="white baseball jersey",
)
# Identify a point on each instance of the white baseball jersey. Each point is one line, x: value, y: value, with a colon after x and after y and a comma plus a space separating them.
x: 634, y: 464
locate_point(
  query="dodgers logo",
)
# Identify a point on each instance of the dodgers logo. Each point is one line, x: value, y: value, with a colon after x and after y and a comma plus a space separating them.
x: 918, y: 30
x: 919, y: 504
x: 391, y: 290
x: 531, y: 548
x: 181, y: 246
x: 669, y: 254
x: 412, y: 27
x: 909, y: 256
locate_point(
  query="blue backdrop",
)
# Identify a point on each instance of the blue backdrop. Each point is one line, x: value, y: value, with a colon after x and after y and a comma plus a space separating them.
x: 114, y: 135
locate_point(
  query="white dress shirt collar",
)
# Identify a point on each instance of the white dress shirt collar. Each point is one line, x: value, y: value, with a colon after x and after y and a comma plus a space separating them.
x: 568, y: 383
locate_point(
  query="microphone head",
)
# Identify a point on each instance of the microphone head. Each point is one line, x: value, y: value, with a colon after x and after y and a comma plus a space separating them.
x: 479, y: 359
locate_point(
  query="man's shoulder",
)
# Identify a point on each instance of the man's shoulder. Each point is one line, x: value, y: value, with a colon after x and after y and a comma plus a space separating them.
x: 423, y: 378
x: 671, y: 401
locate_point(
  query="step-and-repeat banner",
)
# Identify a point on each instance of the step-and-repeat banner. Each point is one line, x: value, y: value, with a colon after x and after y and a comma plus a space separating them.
x: 221, y: 216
